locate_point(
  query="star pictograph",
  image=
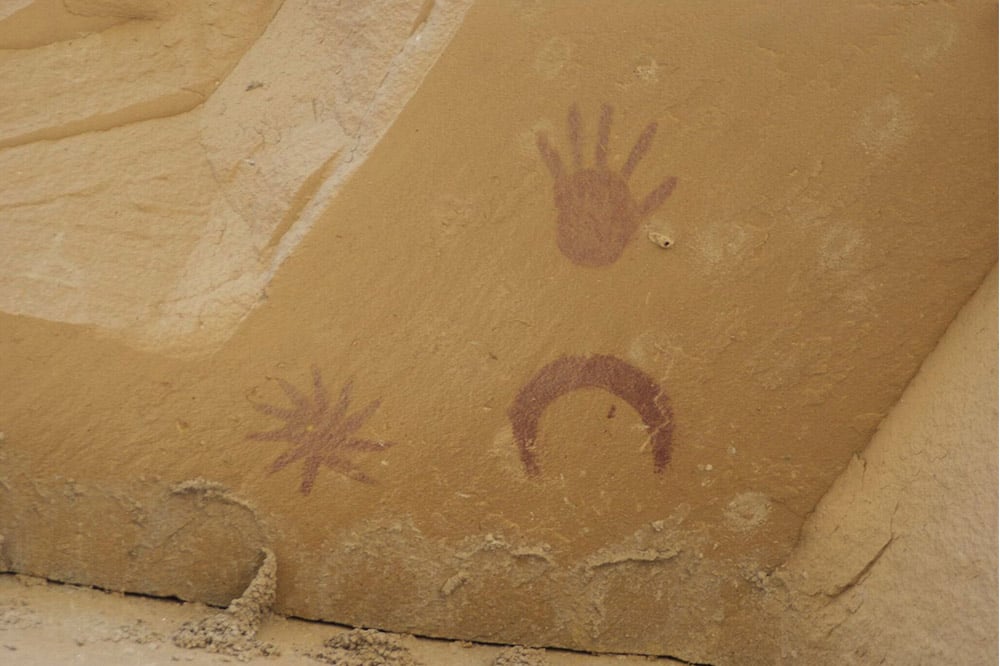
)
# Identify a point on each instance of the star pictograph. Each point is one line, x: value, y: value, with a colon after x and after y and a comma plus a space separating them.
x: 321, y: 433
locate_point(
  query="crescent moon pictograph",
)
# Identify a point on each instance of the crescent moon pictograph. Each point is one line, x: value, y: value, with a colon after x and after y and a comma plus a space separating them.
x: 570, y: 373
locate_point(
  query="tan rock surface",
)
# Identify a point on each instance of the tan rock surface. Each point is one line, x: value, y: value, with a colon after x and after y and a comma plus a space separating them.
x: 476, y: 401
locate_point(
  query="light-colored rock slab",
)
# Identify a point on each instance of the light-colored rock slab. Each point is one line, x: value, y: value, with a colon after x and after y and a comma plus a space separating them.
x: 899, y: 562
x: 161, y: 167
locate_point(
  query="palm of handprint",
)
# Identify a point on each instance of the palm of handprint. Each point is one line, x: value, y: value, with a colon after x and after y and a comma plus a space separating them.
x: 597, y: 215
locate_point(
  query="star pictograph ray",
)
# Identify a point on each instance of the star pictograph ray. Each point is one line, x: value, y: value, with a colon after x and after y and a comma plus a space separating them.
x: 321, y: 434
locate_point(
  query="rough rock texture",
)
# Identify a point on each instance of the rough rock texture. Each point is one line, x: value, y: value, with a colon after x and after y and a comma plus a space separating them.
x: 43, y: 624
x: 364, y: 647
x: 519, y: 656
x: 568, y: 360
x: 234, y: 631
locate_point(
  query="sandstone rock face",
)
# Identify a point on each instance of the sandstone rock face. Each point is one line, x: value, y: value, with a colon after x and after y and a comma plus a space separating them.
x: 162, y: 158
x: 899, y: 561
x: 559, y: 342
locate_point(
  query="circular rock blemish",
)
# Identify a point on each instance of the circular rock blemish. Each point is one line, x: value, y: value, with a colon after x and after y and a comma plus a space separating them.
x: 747, y: 511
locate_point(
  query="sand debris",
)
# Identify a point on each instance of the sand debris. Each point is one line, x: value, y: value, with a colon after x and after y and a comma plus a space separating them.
x: 365, y: 647
x: 520, y: 656
x: 138, y: 632
x: 17, y: 615
x: 233, y: 632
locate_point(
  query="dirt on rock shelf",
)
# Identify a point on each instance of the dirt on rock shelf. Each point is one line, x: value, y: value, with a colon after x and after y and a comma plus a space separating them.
x: 44, y: 623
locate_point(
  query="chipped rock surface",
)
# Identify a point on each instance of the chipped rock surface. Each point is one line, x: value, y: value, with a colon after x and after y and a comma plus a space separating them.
x: 385, y: 289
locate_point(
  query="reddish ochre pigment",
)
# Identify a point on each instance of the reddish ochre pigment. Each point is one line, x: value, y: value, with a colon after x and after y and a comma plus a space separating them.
x: 321, y: 433
x: 569, y: 373
x: 597, y: 215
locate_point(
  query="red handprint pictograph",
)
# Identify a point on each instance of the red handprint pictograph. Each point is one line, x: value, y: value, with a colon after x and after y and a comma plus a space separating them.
x: 596, y: 214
